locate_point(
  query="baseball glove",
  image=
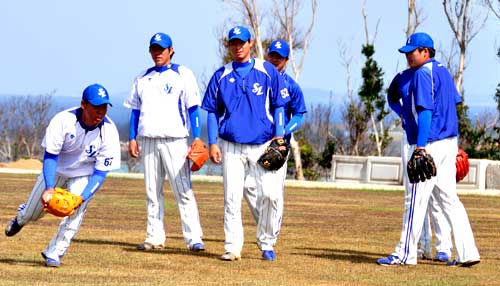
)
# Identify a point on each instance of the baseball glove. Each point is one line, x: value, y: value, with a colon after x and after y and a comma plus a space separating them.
x: 275, y: 155
x: 62, y: 203
x: 420, y: 167
x: 462, y: 164
x: 198, y: 154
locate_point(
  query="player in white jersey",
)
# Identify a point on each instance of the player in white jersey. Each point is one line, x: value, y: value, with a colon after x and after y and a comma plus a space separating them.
x: 277, y: 54
x: 430, y: 116
x: 245, y: 101
x: 165, y: 103
x: 81, y: 147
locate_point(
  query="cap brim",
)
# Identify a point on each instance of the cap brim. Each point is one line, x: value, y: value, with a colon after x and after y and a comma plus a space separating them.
x: 407, y: 49
x: 281, y: 53
x: 100, y: 102
x: 164, y: 46
x: 241, y: 38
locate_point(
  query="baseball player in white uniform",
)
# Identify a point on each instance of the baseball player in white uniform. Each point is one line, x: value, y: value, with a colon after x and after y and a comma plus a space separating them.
x: 430, y: 118
x: 165, y: 102
x: 245, y: 101
x: 277, y: 54
x: 81, y: 147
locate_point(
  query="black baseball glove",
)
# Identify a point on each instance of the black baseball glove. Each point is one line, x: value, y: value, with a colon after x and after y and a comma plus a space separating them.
x: 275, y: 155
x: 420, y: 167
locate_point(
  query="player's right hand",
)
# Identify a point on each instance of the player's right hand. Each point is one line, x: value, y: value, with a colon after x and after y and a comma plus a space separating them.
x: 215, y: 154
x: 133, y: 148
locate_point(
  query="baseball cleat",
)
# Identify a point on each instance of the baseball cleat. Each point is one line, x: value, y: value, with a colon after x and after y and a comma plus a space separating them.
x: 197, y: 247
x: 389, y: 260
x: 229, y: 256
x: 268, y: 255
x: 12, y: 227
x: 49, y: 262
x: 146, y: 246
x: 421, y: 255
x: 442, y: 257
x: 467, y: 263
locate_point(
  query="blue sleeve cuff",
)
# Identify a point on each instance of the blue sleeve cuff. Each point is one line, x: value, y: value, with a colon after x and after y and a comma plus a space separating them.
x: 49, y: 169
x: 194, y: 118
x: 213, y: 128
x: 95, y: 182
x: 424, y: 126
x: 294, y: 123
x: 279, y: 122
x: 134, y: 123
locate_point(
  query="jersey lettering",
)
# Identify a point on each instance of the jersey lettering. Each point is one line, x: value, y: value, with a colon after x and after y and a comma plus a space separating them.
x: 108, y: 161
x: 284, y: 93
x: 91, y: 151
x: 168, y: 88
x: 257, y: 89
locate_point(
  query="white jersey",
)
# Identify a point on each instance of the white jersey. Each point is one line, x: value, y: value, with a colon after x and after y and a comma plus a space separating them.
x: 81, y: 150
x: 163, y: 98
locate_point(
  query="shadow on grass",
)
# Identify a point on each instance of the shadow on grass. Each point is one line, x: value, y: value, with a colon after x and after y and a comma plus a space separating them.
x: 132, y: 247
x: 341, y: 254
x: 25, y: 262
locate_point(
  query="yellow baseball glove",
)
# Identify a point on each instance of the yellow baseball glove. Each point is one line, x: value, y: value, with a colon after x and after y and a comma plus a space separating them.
x: 62, y: 203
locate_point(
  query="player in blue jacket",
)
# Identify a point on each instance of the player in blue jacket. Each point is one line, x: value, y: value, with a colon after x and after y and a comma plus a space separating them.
x: 277, y: 54
x: 431, y: 123
x: 244, y: 100
x: 397, y: 90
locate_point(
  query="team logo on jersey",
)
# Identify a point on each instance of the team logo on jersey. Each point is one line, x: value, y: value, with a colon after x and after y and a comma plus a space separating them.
x: 257, y: 89
x: 232, y: 80
x: 71, y: 136
x: 168, y: 88
x: 91, y: 151
x: 284, y: 93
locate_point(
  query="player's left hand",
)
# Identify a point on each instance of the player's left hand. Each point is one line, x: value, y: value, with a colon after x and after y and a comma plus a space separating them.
x: 275, y: 155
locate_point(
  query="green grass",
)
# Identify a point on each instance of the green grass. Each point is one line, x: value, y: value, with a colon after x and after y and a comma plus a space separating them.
x: 329, y: 237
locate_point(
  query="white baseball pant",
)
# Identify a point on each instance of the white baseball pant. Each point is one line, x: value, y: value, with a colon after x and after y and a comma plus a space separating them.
x: 167, y: 156
x: 443, y: 186
x: 239, y: 161
x: 32, y: 210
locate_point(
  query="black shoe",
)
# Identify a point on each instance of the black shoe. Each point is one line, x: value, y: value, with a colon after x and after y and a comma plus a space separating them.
x: 13, y: 227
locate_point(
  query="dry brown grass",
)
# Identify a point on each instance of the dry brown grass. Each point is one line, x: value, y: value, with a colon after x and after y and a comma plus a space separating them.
x: 329, y: 237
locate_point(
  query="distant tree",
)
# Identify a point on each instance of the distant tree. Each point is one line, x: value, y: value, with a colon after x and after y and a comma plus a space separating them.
x: 494, y: 6
x: 465, y: 22
x: 23, y: 120
x: 370, y: 92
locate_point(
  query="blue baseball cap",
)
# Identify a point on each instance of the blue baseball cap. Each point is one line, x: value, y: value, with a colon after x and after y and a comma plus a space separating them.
x: 280, y: 47
x: 415, y: 41
x: 96, y: 94
x: 161, y: 39
x: 239, y: 32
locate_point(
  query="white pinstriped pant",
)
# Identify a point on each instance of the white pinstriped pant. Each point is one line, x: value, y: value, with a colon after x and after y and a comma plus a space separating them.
x: 167, y: 156
x: 240, y: 161
x: 250, y: 195
x: 32, y: 210
x: 443, y: 188
x: 442, y: 227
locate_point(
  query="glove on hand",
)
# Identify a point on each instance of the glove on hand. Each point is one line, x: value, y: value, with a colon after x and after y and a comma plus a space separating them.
x: 198, y: 154
x: 275, y: 155
x: 462, y: 164
x: 420, y: 167
x: 62, y: 203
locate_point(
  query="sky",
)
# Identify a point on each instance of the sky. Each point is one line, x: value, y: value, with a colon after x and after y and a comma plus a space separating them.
x: 62, y: 46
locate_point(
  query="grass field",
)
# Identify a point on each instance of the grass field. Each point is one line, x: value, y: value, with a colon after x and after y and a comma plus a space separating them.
x: 329, y: 237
